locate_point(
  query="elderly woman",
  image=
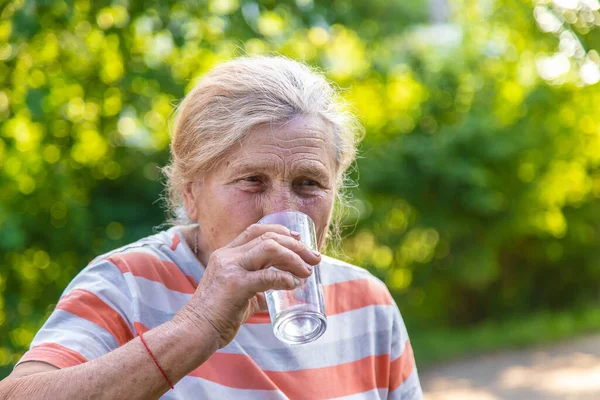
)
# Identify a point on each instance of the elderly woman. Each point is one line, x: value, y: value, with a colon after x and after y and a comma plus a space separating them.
x: 180, y: 314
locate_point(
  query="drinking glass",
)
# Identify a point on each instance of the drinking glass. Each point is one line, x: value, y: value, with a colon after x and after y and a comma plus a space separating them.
x: 298, y: 315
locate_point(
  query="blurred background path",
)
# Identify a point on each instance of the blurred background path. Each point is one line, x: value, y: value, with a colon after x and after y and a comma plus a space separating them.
x: 568, y: 370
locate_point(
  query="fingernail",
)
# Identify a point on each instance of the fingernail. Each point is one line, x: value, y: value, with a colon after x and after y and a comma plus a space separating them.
x: 294, y: 233
x: 309, y: 267
x: 296, y: 281
x: 316, y: 253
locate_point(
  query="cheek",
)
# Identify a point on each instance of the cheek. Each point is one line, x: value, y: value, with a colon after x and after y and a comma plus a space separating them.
x: 224, y: 215
x: 241, y: 212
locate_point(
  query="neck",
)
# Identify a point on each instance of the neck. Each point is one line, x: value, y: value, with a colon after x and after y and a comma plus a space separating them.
x: 193, y: 237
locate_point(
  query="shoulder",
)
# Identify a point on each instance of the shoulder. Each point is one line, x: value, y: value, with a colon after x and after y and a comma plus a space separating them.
x: 164, y: 249
x: 348, y: 285
x: 159, y: 257
x: 160, y: 245
x: 338, y: 271
x: 348, y: 288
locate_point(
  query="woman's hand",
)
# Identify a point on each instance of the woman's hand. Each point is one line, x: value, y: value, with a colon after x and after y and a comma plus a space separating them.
x: 237, y: 274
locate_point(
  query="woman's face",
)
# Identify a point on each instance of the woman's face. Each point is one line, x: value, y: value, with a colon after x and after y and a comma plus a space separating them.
x: 275, y: 168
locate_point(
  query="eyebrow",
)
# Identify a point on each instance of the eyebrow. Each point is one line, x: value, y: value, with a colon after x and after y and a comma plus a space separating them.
x: 303, y: 168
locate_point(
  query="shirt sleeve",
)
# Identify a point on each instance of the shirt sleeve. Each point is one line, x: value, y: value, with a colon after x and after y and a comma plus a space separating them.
x: 92, y: 318
x: 404, y: 379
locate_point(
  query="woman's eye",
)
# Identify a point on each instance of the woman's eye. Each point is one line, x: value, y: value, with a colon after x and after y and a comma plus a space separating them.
x: 252, y: 179
x: 309, y: 182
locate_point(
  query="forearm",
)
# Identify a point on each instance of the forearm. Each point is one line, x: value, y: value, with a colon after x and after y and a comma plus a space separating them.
x: 127, y: 372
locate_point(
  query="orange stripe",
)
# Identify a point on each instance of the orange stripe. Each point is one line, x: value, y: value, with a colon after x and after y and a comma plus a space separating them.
x: 176, y: 241
x: 261, y: 317
x: 140, y: 328
x: 402, y: 367
x: 241, y: 372
x: 336, y: 381
x: 152, y: 268
x: 232, y: 370
x: 343, y: 297
x: 352, y: 295
x: 55, y: 354
x: 87, y: 305
x: 235, y: 371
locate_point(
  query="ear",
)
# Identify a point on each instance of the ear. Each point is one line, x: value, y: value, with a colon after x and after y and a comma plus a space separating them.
x: 189, y: 200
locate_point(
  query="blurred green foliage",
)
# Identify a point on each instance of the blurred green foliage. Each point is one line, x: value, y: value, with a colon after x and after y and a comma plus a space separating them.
x: 479, y: 177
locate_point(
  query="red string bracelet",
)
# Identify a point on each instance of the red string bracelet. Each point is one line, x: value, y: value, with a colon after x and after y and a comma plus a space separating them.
x: 156, y: 362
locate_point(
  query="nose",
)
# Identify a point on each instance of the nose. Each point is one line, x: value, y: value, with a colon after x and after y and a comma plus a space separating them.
x: 279, y: 198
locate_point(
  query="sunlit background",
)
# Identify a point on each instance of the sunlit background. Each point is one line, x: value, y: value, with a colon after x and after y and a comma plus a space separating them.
x: 479, y: 175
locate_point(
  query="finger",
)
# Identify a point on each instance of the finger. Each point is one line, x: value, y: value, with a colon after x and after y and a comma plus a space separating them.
x: 271, y: 279
x: 309, y: 256
x: 262, y: 302
x: 255, y: 230
x: 270, y: 253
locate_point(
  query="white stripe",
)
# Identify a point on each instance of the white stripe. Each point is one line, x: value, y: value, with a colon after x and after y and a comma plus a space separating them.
x: 400, y: 335
x: 186, y: 259
x: 336, y: 271
x: 374, y: 394
x: 191, y: 387
x: 314, y: 355
x: 156, y: 295
x: 148, y: 250
x: 76, y: 333
x: 150, y: 317
x: 340, y: 326
x: 135, y: 247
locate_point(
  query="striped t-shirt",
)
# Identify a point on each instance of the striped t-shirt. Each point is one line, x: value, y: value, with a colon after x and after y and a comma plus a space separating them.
x: 364, y: 354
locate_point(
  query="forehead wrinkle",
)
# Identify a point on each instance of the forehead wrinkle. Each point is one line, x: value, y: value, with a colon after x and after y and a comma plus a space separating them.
x: 287, y: 143
x: 280, y: 139
x: 299, y: 132
x: 257, y: 163
x: 290, y: 149
x: 297, y: 154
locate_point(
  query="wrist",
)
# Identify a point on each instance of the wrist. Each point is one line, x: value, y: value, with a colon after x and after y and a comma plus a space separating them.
x: 181, y: 345
x: 196, y: 326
